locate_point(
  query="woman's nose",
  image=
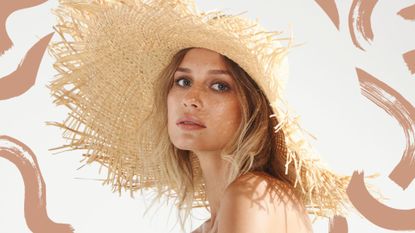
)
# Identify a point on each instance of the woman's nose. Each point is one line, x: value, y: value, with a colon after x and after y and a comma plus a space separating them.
x: 192, y: 99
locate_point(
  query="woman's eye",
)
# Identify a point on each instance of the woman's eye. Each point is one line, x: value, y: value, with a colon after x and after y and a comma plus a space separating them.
x: 221, y: 87
x: 182, y: 82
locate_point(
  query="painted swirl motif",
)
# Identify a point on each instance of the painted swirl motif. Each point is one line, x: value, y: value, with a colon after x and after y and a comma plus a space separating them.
x: 395, y: 105
x: 35, y: 211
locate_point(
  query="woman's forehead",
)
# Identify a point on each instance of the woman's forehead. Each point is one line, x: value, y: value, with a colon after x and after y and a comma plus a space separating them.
x: 200, y: 57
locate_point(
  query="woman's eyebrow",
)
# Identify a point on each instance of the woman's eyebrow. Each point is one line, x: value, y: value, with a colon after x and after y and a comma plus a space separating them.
x: 187, y: 70
x: 181, y: 69
x: 219, y: 72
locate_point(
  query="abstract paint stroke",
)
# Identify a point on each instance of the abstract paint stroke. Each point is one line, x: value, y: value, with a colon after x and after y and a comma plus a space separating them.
x: 409, y: 58
x: 375, y: 211
x: 399, y: 108
x: 360, y: 20
x: 6, y: 9
x: 24, y: 77
x: 408, y: 12
x: 338, y: 224
x: 330, y: 7
x: 35, y: 191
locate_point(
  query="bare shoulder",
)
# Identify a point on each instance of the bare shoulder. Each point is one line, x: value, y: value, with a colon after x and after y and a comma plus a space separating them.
x: 256, y: 202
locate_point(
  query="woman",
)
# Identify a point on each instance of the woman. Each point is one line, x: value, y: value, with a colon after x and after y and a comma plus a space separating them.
x: 204, y: 106
x: 191, y: 105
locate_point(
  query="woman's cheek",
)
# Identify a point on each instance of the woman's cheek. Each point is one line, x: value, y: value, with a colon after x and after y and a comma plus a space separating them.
x: 171, y: 108
x: 228, y: 112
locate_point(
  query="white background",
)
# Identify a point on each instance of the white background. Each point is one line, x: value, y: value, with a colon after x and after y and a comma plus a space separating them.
x: 353, y: 133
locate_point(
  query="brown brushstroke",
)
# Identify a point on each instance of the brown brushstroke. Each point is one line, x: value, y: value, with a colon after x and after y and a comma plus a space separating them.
x: 362, y: 23
x: 35, y: 190
x: 402, y: 110
x: 24, y: 77
x: 330, y: 7
x: 408, y: 12
x: 409, y: 58
x: 375, y: 211
x: 338, y: 224
x: 6, y: 9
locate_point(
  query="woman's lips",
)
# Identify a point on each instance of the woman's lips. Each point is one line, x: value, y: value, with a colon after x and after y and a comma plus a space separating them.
x: 190, y: 120
x: 190, y: 126
x: 190, y: 123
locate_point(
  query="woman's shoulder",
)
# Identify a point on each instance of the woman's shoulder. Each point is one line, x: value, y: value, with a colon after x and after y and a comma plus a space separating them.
x: 259, y: 186
x: 257, y: 202
x: 259, y: 180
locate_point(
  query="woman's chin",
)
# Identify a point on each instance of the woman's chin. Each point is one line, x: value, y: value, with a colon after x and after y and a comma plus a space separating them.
x: 184, y: 146
x: 189, y: 147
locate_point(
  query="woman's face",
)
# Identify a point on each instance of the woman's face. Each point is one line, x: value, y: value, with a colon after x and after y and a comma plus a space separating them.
x: 203, y: 92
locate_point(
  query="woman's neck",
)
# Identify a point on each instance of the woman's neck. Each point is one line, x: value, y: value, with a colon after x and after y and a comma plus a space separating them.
x: 215, y: 171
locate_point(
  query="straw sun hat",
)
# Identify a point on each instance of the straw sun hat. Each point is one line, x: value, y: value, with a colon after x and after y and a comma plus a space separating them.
x: 109, y: 54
